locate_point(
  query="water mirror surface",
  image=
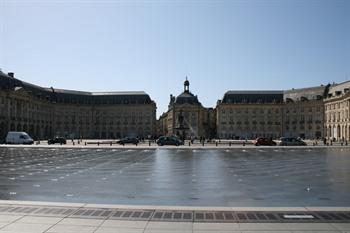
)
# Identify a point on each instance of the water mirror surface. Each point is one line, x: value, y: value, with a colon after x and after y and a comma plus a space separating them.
x: 178, y: 176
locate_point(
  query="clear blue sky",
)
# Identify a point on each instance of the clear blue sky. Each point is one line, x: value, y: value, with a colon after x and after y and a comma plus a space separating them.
x: 107, y: 45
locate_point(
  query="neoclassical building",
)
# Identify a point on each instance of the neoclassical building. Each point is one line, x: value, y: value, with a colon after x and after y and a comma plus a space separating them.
x: 314, y: 112
x: 273, y: 114
x: 47, y: 112
x: 186, y: 117
x: 303, y: 112
x: 337, y: 112
x: 249, y: 114
x: 310, y: 113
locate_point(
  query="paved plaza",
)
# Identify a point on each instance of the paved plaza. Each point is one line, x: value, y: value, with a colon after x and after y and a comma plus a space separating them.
x: 36, y: 217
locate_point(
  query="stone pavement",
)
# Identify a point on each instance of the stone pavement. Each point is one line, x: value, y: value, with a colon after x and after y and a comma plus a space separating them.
x: 15, y: 222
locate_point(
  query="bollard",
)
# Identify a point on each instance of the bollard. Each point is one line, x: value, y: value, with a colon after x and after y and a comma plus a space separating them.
x: 73, y: 143
x: 229, y: 144
x: 203, y: 143
x: 78, y: 141
x: 98, y: 143
x: 216, y: 143
x: 149, y: 143
x: 189, y: 143
x: 61, y: 143
x: 243, y: 143
x: 110, y: 143
x: 85, y: 143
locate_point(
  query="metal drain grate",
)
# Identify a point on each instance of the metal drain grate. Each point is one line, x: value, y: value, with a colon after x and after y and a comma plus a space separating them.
x: 215, y: 217
x: 140, y: 215
x: 333, y: 216
x: 179, y: 216
x: 173, y: 216
x: 36, y: 210
x: 92, y: 213
x: 257, y: 217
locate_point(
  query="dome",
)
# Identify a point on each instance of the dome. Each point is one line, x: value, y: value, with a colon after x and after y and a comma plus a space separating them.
x: 186, y: 98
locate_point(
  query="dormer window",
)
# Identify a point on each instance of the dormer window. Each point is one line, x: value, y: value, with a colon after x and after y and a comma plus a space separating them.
x: 303, y: 98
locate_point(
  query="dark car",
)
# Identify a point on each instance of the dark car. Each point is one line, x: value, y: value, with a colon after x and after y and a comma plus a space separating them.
x: 292, y: 142
x: 169, y: 141
x: 264, y: 142
x: 128, y: 140
x: 59, y: 140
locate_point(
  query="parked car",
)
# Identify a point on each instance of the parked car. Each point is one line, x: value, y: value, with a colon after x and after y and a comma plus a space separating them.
x: 128, y: 140
x: 18, y: 138
x: 292, y: 142
x: 264, y: 142
x: 55, y: 140
x: 164, y: 140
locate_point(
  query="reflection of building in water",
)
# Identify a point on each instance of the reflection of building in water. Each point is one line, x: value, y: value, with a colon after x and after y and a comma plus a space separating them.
x: 47, y: 112
x: 186, y: 107
x: 337, y: 112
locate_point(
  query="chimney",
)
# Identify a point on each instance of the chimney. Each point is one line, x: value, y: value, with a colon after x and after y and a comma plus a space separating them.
x: 11, y: 74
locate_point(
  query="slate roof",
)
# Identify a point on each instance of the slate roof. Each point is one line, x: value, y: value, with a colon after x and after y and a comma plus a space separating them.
x: 309, y: 93
x: 72, y: 96
x: 253, y: 97
x: 187, y: 97
x: 339, y: 89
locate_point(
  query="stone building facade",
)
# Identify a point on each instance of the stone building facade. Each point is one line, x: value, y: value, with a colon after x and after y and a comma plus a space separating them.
x: 303, y: 112
x: 310, y: 113
x: 249, y: 114
x: 337, y: 112
x: 273, y: 114
x: 47, y: 112
x: 198, y: 121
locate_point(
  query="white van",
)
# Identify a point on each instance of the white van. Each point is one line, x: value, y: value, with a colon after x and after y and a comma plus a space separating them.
x: 18, y: 138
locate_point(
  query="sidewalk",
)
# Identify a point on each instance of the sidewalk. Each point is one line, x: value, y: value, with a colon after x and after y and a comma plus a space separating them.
x: 39, y: 217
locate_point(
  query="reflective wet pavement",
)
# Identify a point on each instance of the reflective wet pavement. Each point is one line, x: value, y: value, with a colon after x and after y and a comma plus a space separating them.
x: 192, y: 177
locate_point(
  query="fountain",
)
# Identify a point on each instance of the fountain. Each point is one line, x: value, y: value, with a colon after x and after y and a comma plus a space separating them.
x: 181, y: 129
